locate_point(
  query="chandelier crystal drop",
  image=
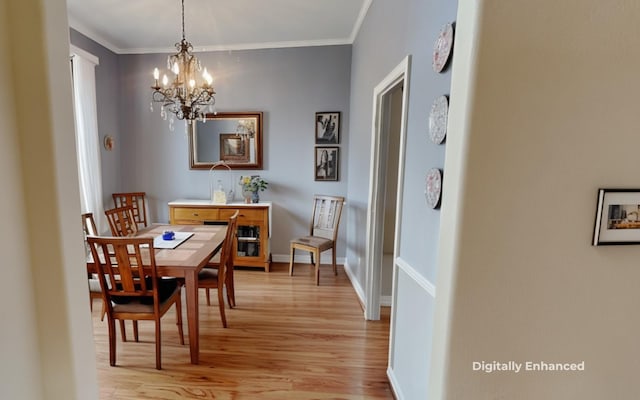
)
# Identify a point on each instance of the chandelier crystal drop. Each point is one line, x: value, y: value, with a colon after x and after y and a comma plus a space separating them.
x: 187, y: 96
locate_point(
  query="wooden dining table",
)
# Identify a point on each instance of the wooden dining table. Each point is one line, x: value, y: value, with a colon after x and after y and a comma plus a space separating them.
x: 185, y: 261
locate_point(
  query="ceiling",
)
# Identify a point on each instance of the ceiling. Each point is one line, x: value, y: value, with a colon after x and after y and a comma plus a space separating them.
x: 153, y: 26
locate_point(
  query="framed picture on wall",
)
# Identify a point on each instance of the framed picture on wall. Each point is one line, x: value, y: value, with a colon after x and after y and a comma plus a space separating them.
x: 617, y: 217
x: 327, y: 161
x: 328, y: 127
x: 234, y: 147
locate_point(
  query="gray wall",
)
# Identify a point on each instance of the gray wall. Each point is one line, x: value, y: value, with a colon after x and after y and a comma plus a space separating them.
x: 288, y: 85
x: 390, y: 32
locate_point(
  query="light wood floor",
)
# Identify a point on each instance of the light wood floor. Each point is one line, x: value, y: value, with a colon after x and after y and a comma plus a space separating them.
x: 287, y: 339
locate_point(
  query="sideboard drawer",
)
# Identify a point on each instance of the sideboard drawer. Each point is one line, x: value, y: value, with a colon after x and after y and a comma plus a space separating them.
x: 196, y: 215
x: 246, y: 214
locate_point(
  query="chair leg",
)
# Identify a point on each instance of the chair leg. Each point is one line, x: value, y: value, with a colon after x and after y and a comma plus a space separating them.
x: 293, y: 253
x: 208, y: 298
x: 333, y: 260
x: 112, y: 341
x: 158, y: 344
x: 317, y: 263
x: 135, y: 330
x: 221, y: 305
x: 122, y: 331
x: 231, y: 291
x: 311, y: 254
x: 104, y: 310
x: 179, y: 319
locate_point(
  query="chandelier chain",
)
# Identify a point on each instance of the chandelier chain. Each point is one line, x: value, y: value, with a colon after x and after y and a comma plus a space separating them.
x: 183, y: 35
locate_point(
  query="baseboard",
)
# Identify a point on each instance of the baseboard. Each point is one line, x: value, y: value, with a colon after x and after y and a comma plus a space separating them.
x: 355, y: 284
x: 385, y: 301
x: 305, y: 258
x: 395, y: 387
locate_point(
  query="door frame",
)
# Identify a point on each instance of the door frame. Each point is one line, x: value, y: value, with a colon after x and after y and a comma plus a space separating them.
x: 375, y: 209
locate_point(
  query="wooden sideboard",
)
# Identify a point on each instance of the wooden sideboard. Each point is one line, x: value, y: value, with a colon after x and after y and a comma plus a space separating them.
x: 251, y: 248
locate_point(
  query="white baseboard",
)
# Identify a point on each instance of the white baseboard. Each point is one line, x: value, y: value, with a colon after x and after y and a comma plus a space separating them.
x: 355, y: 284
x: 395, y: 387
x: 305, y: 258
x: 385, y: 301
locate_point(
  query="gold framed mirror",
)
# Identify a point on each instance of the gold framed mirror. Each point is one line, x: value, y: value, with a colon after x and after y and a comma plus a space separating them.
x: 232, y: 137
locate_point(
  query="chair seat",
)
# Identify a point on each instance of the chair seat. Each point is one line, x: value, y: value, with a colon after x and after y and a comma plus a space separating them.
x: 314, y: 241
x: 140, y: 308
x: 207, y: 275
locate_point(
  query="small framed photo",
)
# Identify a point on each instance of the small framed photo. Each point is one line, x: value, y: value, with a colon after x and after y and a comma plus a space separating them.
x: 234, y: 147
x: 328, y: 127
x: 327, y: 161
x: 617, y: 217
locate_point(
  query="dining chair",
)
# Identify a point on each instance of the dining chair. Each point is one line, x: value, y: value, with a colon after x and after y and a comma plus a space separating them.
x: 122, y: 221
x: 89, y: 229
x: 138, y: 293
x: 215, y: 275
x: 323, y: 232
x: 137, y: 201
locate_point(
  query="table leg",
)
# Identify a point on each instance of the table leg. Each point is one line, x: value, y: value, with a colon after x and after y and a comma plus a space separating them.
x: 191, y: 294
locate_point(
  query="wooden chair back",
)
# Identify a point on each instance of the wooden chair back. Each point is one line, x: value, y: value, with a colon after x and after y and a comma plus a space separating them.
x: 89, y: 225
x: 137, y: 202
x: 226, y: 258
x: 326, y: 216
x: 125, y: 263
x: 122, y: 221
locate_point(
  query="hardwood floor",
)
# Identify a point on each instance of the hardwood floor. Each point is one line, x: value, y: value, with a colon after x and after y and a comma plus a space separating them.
x: 287, y: 339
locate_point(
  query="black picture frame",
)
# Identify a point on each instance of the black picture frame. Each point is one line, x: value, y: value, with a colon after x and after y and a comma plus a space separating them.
x: 617, y: 219
x: 328, y: 127
x: 327, y: 161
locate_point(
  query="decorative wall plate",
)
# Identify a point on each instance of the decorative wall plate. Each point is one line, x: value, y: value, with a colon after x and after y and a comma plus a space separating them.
x: 433, y: 187
x: 109, y: 142
x: 442, y: 47
x: 438, y: 119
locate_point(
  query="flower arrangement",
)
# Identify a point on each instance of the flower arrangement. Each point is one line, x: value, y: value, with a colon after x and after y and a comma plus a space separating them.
x: 253, y: 183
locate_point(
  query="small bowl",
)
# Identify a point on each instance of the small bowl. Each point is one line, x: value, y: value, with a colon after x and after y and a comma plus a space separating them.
x: 168, y: 235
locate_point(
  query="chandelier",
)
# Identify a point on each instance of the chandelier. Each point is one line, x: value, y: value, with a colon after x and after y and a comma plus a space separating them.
x: 183, y: 96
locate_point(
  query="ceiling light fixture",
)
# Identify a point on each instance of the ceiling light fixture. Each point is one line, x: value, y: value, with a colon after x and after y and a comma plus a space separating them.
x: 183, y: 97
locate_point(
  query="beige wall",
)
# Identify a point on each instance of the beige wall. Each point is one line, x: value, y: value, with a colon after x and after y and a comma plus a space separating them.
x: 544, y: 112
x: 47, y: 347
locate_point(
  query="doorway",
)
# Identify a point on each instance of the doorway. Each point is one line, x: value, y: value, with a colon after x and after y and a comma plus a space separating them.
x: 390, y: 99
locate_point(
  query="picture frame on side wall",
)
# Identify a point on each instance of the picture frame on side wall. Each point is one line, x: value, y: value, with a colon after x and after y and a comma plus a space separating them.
x: 328, y: 127
x: 617, y: 217
x: 327, y: 162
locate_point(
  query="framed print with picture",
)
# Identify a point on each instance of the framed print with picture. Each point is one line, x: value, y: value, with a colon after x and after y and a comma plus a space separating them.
x: 234, y: 148
x: 617, y: 217
x: 327, y: 161
x: 328, y: 127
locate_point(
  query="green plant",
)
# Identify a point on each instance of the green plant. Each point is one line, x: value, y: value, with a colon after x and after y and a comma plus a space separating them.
x: 253, y: 183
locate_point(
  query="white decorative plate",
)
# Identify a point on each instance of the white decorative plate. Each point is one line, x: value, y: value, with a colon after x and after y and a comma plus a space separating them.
x: 442, y: 47
x: 433, y: 187
x: 438, y: 119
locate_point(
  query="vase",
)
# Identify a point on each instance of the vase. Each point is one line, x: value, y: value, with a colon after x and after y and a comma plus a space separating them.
x: 255, y: 197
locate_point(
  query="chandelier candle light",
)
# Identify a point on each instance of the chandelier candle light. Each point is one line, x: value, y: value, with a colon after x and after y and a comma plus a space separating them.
x: 184, y: 96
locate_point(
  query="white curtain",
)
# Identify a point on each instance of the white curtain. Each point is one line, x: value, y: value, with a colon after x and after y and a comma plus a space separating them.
x: 87, y: 138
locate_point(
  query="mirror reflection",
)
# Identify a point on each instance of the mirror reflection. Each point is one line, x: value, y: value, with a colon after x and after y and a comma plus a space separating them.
x: 235, y: 138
